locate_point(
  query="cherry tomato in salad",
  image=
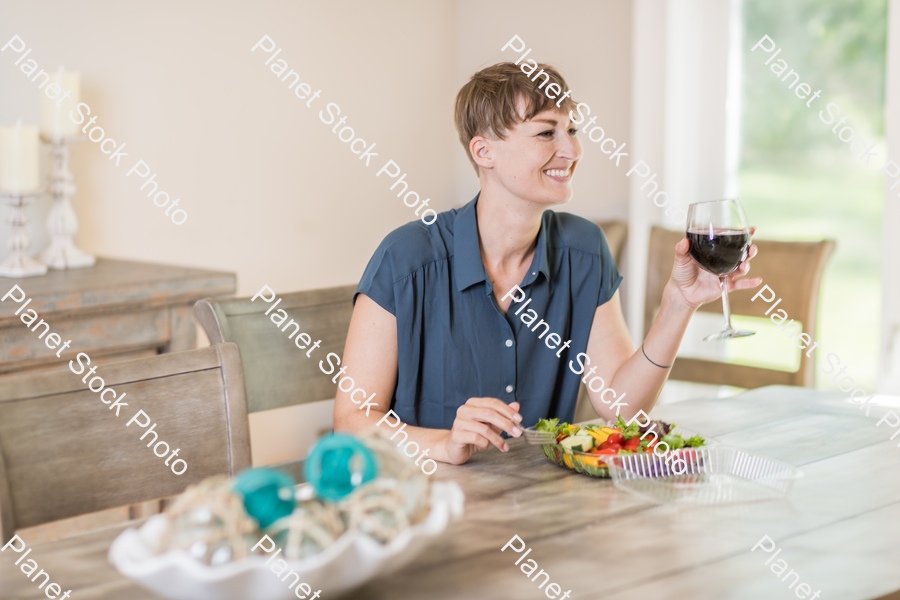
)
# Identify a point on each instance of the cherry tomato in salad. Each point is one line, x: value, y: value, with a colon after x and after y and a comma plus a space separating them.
x: 632, y: 444
x: 608, y: 451
x: 616, y: 438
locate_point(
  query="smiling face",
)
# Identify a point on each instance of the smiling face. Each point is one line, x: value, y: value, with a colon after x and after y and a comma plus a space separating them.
x: 535, y: 161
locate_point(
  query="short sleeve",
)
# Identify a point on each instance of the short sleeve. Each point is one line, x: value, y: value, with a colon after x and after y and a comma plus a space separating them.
x: 610, y: 279
x: 377, y: 281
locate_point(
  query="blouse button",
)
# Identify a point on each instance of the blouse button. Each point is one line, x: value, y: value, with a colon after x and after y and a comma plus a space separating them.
x: 509, y: 343
x: 509, y: 389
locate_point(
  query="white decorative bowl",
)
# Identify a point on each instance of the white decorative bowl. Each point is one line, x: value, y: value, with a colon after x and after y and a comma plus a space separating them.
x: 353, y: 559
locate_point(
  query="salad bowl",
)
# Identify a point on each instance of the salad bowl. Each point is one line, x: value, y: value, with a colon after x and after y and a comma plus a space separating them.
x: 581, y: 448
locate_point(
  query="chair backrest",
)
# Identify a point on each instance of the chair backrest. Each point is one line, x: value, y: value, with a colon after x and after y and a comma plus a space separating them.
x: 64, y: 453
x: 792, y: 269
x: 277, y: 372
x: 616, y: 233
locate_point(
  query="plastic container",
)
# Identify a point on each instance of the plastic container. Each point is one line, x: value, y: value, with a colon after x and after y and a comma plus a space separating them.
x: 713, y: 475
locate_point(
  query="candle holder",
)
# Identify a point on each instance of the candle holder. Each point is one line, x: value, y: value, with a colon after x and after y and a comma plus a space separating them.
x: 62, y: 224
x: 18, y: 263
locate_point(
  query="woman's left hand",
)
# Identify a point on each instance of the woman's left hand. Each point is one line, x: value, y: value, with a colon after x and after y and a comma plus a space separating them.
x: 698, y: 286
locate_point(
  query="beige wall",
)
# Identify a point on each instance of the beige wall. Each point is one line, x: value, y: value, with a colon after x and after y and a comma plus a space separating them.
x: 270, y: 191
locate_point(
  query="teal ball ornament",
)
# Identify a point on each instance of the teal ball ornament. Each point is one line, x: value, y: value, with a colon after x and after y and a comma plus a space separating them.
x: 268, y: 494
x: 337, y: 465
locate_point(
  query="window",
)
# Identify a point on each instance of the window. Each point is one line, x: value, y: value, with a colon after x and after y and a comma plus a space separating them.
x: 798, y: 181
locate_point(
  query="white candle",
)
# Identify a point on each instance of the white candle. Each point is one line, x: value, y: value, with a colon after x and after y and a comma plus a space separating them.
x: 58, y: 97
x: 19, y: 158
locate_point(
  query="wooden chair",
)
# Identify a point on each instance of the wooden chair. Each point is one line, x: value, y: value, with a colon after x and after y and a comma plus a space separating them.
x: 276, y: 372
x: 793, y: 269
x: 63, y: 453
x: 616, y: 233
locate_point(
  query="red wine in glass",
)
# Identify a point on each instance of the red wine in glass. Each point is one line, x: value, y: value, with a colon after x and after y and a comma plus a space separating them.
x: 719, y: 241
x: 719, y: 251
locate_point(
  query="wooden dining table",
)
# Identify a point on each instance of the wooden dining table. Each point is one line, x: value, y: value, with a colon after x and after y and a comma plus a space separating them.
x: 838, y: 528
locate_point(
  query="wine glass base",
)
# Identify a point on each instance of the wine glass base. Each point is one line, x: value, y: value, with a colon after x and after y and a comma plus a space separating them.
x: 726, y: 334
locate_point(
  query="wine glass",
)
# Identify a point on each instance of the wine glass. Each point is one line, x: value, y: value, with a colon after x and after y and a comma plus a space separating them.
x: 720, y: 241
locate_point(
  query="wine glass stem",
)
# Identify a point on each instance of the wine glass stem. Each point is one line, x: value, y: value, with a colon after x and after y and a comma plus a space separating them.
x: 726, y: 308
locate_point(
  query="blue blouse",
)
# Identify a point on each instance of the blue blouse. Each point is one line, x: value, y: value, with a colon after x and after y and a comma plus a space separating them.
x: 454, y: 342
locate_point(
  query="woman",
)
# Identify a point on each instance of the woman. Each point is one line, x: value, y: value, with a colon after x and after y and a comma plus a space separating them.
x: 440, y: 330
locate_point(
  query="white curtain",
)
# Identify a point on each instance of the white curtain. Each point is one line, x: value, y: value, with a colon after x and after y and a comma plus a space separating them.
x: 889, y: 381
x: 686, y: 126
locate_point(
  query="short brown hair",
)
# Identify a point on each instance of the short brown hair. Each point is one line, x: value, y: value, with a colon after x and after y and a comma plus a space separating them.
x: 486, y: 104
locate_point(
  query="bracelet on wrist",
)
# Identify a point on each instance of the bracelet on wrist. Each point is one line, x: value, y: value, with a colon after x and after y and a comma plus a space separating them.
x: 651, y: 362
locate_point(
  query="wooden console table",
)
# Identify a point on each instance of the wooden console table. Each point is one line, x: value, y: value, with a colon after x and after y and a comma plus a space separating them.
x: 116, y: 310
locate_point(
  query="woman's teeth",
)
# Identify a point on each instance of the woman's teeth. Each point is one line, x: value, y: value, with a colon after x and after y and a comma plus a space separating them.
x: 558, y: 173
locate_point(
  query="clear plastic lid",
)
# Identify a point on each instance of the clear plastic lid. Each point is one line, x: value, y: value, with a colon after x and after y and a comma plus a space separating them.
x: 705, y: 475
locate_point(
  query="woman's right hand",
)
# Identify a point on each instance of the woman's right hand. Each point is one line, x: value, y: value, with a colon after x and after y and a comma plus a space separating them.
x: 478, y: 425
